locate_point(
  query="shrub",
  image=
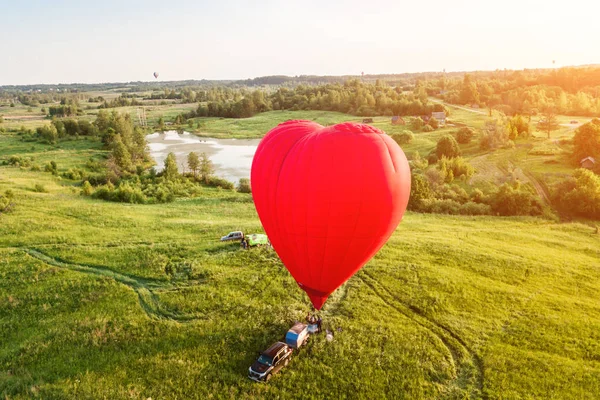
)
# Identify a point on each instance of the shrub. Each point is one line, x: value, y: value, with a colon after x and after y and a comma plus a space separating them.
x: 244, y: 186
x: 579, y: 195
x: 219, y: 182
x: 464, y: 135
x: 511, y: 200
x: 417, y: 162
x: 51, y: 167
x: 404, y: 137
x: 433, y: 123
x: 6, y: 202
x: 74, y: 174
x: 39, y: 188
x: 427, y: 128
x: 447, y: 146
x: 87, y: 189
x: 472, y: 208
x: 14, y: 160
x: 455, y: 167
x: 417, y: 123
x: 419, y: 191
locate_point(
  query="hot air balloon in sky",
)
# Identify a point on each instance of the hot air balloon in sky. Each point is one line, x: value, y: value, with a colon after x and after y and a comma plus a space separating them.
x: 329, y: 198
x: 155, y: 75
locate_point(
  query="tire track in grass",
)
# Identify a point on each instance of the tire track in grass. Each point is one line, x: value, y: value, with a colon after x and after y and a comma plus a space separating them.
x: 467, y: 365
x: 144, y: 288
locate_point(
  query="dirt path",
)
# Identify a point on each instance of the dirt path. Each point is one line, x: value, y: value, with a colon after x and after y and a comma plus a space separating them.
x: 538, y: 187
x: 144, y: 288
x: 467, y: 365
x: 459, y: 107
x: 24, y: 117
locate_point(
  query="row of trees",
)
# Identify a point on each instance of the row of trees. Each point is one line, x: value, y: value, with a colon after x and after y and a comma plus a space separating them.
x: 353, y: 97
x: 571, y: 91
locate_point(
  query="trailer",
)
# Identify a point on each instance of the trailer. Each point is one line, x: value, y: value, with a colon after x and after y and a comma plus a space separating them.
x: 297, y: 336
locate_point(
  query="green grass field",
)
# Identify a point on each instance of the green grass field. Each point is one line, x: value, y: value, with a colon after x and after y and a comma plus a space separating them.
x: 451, y: 307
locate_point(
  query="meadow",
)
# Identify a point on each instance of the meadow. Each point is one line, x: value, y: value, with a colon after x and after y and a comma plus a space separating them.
x: 112, y: 300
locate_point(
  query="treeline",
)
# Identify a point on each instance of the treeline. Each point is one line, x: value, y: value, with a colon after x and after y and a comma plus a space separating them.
x: 571, y: 91
x: 121, y: 101
x: 352, y: 97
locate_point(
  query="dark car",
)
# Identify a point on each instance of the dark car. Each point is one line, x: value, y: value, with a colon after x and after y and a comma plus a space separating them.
x: 270, y: 361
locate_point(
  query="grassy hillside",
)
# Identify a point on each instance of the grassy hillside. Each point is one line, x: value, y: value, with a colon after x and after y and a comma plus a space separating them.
x: 107, y: 300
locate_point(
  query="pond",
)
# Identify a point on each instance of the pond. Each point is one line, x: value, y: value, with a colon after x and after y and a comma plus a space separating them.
x: 232, y: 158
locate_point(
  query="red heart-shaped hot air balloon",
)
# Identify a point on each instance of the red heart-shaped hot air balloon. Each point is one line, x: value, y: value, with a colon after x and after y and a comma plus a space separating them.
x: 329, y: 198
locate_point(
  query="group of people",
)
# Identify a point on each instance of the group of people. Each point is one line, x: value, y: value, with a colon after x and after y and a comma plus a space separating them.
x: 314, y: 320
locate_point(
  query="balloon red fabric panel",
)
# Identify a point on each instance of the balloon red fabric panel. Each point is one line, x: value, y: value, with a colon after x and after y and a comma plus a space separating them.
x: 328, y: 198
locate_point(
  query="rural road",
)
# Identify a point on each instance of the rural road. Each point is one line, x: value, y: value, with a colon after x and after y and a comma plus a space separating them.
x: 459, y: 107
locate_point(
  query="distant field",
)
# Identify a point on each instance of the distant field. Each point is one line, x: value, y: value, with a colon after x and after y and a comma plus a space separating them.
x: 452, y: 307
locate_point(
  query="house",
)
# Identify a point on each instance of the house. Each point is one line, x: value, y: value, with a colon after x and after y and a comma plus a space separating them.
x: 396, y: 120
x: 588, y: 163
x: 367, y: 120
x: 440, y: 116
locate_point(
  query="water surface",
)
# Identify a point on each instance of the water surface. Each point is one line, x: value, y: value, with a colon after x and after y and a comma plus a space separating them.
x: 232, y: 158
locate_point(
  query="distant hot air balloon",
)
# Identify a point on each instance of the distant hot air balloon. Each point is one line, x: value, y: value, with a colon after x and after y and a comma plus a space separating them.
x: 156, y: 75
x: 329, y: 198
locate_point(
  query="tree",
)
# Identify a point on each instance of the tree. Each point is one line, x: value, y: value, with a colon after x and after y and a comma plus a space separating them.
x: 447, y: 146
x: 170, y: 172
x: 244, y: 186
x: 548, y: 123
x: 580, y: 195
x: 404, y: 137
x: 193, y: 162
x: 120, y: 155
x: 419, y: 191
x: 464, y: 135
x: 587, y: 140
x: 206, y: 167
x: 161, y: 124
x: 48, y: 133
x: 417, y: 123
x: 513, y: 201
x: 433, y: 123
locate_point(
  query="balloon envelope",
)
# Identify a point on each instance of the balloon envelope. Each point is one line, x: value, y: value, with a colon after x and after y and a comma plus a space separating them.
x: 328, y: 198
x: 156, y: 74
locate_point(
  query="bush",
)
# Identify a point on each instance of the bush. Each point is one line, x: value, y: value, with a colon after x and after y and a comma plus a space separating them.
x: 244, y: 186
x: 419, y: 191
x: 511, y: 200
x: 417, y: 123
x: 428, y: 128
x: 219, y: 182
x: 74, y: 174
x: 404, y: 137
x: 51, y: 167
x: 39, y: 188
x: 464, y: 135
x: 6, y: 202
x: 454, y: 168
x: 417, y: 162
x: 447, y: 146
x: 433, y: 123
x: 86, y: 189
x: 579, y: 195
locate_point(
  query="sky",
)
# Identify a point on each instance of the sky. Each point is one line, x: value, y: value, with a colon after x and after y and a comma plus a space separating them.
x: 64, y: 41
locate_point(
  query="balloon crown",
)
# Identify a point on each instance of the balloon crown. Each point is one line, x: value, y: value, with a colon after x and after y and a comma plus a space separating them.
x: 351, y: 127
